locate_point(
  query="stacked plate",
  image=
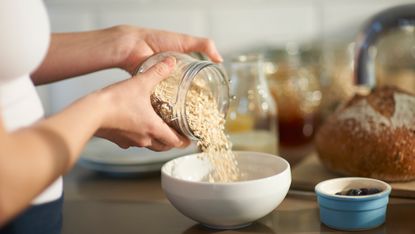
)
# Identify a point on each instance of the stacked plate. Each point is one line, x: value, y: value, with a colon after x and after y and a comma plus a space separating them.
x: 103, y: 156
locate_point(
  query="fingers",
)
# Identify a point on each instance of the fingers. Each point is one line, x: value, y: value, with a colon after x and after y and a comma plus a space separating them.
x: 156, y: 142
x: 174, y: 139
x: 205, y: 45
x: 158, y: 72
x: 159, y: 137
x: 164, y: 134
x: 158, y: 146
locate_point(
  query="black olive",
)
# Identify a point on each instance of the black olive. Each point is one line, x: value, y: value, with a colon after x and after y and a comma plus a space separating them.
x: 353, y: 192
x: 359, y: 192
x: 373, y: 191
x: 365, y: 191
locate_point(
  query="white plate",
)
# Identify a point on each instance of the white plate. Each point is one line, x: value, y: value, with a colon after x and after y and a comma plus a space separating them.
x: 103, y: 152
x: 121, y: 170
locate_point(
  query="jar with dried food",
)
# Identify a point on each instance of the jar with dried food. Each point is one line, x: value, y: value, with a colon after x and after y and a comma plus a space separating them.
x: 192, y: 82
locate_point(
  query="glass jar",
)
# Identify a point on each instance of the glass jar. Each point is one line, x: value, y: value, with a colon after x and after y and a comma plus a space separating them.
x: 296, y: 90
x: 170, y: 98
x: 337, y: 85
x: 395, y: 65
x: 251, y: 120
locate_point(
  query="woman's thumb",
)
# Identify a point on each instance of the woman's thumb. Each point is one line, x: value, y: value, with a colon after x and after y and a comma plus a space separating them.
x: 159, y: 71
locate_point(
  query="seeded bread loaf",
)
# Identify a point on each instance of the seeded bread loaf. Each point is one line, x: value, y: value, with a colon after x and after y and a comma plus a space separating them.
x: 371, y: 136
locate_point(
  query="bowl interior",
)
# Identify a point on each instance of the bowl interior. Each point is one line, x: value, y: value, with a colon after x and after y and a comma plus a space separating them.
x: 331, y: 187
x: 252, y: 165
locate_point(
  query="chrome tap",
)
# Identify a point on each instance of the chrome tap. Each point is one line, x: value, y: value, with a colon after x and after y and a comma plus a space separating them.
x: 392, y: 18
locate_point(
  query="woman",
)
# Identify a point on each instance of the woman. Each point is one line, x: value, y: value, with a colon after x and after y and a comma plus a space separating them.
x: 36, y: 151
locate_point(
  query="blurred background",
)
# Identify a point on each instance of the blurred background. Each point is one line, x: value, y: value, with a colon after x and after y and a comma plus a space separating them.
x: 307, y: 48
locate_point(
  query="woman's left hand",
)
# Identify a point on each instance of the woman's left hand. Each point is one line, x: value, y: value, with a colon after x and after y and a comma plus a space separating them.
x: 140, y: 43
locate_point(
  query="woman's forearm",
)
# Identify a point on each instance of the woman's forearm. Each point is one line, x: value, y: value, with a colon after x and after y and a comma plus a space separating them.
x: 125, y: 47
x: 74, y: 54
x: 41, y: 153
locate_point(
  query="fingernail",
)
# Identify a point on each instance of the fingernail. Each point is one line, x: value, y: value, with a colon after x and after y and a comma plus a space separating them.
x: 170, y: 61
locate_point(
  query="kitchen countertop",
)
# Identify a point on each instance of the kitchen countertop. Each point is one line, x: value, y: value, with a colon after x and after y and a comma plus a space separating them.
x: 95, y: 203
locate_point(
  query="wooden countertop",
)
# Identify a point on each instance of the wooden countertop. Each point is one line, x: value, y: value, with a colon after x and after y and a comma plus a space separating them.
x: 100, y: 204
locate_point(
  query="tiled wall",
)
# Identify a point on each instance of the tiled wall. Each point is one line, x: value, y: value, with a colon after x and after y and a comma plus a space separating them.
x: 233, y: 24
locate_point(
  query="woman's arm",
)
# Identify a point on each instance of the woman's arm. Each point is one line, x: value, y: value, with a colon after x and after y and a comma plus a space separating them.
x: 78, y: 53
x: 125, y: 47
x: 31, y: 158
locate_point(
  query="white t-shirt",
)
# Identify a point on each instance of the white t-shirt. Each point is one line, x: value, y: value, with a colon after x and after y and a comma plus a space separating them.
x: 25, y: 36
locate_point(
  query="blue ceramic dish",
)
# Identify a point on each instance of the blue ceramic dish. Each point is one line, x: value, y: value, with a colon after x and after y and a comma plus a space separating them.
x: 352, y: 213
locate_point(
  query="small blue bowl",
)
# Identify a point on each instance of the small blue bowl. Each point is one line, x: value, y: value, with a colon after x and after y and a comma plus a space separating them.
x: 352, y: 213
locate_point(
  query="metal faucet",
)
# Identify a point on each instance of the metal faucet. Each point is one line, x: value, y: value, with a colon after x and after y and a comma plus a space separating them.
x: 392, y: 18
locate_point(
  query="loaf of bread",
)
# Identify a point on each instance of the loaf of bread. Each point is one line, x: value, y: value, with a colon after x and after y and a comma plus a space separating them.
x: 371, y: 136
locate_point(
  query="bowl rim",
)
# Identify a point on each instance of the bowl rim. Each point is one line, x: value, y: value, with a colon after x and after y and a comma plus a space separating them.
x: 320, y: 192
x: 235, y: 183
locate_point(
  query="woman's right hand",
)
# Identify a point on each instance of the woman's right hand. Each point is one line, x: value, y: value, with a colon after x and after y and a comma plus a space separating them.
x: 130, y: 119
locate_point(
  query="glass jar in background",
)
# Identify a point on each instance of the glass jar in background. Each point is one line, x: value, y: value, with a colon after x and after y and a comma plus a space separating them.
x: 337, y: 83
x: 296, y: 89
x: 395, y: 58
x: 251, y: 120
x: 170, y: 98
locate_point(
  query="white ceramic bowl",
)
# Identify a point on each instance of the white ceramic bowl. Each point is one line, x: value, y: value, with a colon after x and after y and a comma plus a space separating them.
x: 227, y: 205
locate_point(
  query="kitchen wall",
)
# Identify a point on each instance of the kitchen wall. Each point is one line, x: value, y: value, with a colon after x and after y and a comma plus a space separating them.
x: 233, y: 24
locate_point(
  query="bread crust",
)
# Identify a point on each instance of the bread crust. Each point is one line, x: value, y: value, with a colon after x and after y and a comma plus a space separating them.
x: 371, y: 136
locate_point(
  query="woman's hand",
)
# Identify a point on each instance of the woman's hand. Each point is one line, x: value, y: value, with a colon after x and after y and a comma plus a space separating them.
x: 131, y: 119
x: 140, y: 43
x: 125, y: 47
